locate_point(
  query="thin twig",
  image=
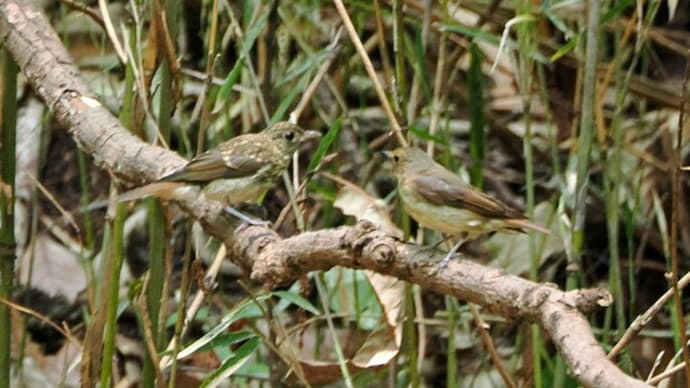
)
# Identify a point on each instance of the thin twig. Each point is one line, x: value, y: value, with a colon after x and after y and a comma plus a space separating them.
x: 137, y: 67
x: 40, y: 317
x: 83, y: 8
x: 676, y: 160
x: 110, y: 30
x: 210, y: 64
x: 667, y: 373
x: 489, y: 345
x: 284, y: 212
x: 370, y: 70
x: 142, y: 307
x: 235, y: 25
x: 279, y: 344
x: 181, y: 305
x: 66, y: 216
x: 332, y: 49
x: 383, y: 50
x: 195, y: 306
x: 167, y: 45
x: 323, y: 295
x: 438, y: 98
x: 641, y: 321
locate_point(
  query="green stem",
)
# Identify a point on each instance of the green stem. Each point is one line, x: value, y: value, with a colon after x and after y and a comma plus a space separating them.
x: 476, y: 111
x: 401, y: 82
x: 181, y: 312
x: 7, y: 239
x: 113, y: 268
x: 525, y: 33
x: 115, y: 246
x: 586, y: 129
x: 410, y: 335
x: 451, y: 358
x: 157, y: 235
x: 85, y: 198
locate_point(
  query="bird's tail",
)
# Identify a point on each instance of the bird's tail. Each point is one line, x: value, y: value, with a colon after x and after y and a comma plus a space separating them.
x: 162, y: 190
x: 522, y: 224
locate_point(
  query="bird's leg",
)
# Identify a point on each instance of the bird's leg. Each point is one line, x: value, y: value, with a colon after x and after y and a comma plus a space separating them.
x: 451, y: 253
x: 428, y: 250
x: 434, y: 246
x: 245, y: 218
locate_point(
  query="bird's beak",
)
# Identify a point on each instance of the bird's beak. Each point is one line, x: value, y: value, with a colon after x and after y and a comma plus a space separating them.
x: 310, y: 135
x: 388, y: 154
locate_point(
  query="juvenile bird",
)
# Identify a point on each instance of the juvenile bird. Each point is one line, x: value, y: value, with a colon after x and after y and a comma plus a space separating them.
x: 239, y: 170
x: 439, y: 199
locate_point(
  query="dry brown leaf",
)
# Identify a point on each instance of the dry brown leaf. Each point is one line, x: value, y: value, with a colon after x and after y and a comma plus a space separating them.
x: 380, y: 345
x: 384, y: 344
x: 56, y: 270
x: 356, y: 202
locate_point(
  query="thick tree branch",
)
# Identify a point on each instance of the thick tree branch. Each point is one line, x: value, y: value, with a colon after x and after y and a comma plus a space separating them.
x: 27, y: 34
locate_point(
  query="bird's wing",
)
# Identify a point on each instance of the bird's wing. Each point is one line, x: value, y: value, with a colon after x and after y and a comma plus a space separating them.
x: 440, y: 191
x: 213, y: 164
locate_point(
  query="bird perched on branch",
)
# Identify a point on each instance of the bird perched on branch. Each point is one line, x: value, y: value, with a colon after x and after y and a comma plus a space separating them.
x: 439, y: 199
x: 239, y: 170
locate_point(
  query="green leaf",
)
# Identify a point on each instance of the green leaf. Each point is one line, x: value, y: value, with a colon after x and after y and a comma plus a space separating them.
x: 247, y: 309
x: 253, y: 33
x: 287, y: 100
x: 616, y: 10
x: 298, y: 300
x: 326, y: 192
x: 476, y: 111
x: 324, y: 144
x: 230, y: 80
x: 472, y: 32
x: 549, y: 10
x: 257, y: 370
x: 231, y: 364
x: 420, y: 62
x: 566, y: 48
x: 425, y: 135
x: 227, y: 339
x: 298, y: 67
x: 491, y: 38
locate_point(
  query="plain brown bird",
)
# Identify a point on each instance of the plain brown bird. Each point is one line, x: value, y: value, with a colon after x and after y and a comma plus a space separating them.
x: 239, y: 170
x: 439, y: 199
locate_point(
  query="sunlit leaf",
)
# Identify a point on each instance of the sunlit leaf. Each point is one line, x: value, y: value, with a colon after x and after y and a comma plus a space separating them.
x: 325, y: 144
x: 425, y: 135
x: 247, y: 309
x: 565, y: 49
x: 298, y: 300
x: 232, y: 364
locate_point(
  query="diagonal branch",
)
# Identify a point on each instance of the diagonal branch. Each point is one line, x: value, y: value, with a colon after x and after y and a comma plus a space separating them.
x: 27, y: 34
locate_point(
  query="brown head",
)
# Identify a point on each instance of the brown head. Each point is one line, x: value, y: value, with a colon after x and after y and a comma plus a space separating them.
x: 409, y: 159
x: 287, y: 136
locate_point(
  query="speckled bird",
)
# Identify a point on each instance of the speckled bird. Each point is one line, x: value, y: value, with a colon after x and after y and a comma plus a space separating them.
x: 239, y: 170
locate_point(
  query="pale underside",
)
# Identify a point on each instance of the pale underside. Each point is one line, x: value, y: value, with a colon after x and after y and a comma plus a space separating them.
x: 454, y: 222
x: 236, y: 190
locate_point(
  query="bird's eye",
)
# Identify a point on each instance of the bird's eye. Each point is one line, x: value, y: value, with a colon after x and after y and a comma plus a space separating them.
x: 396, y: 158
x: 289, y: 135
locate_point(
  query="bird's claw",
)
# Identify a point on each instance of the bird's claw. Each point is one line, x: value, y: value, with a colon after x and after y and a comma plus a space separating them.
x: 446, y: 259
x: 257, y: 222
x: 444, y: 263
